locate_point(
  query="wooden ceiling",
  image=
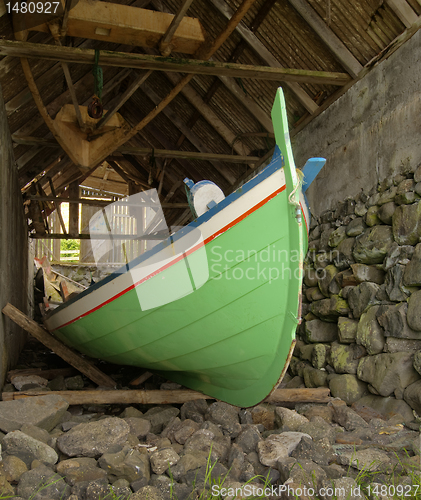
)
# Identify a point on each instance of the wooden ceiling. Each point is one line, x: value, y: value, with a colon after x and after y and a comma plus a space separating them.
x: 188, y: 86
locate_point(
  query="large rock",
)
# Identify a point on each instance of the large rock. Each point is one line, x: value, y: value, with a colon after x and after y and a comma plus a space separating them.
x: 347, y: 330
x: 412, y: 396
x: 388, y: 407
x: 369, y: 333
x: 330, y: 309
x: 412, y: 274
x: 53, y: 485
x: 337, y: 236
x: 413, y: 315
x: 347, y: 387
x: 289, y: 418
x: 161, y: 460
x: 326, y: 276
x: 405, y: 193
x: 314, y: 378
x: 388, y: 373
x: 343, y: 253
x: 226, y: 416
x: 319, y: 331
x: 417, y: 361
x: 28, y: 449
x: 362, y: 272
x: 131, y: 465
x: 362, y: 296
x: 385, y: 212
x: 356, y: 227
x: 93, y: 439
x: 345, y: 358
x: 81, y: 469
x: 372, y: 246
x: 371, y: 218
x: 393, y: 344
x: 394, y: 284
x: 278, y: 446
x: 406, y: 224
x: 43, y: 411
x: 393, y: 320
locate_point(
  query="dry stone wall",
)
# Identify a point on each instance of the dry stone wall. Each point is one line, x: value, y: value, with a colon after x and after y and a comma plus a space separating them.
x: 361, y: 328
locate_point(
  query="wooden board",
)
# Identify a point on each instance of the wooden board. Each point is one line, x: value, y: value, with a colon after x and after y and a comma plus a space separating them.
x: 319, y: 395
x: 61, y: 350
x: 111, y: 22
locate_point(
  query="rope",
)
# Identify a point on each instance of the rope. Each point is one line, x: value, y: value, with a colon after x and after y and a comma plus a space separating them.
x: 98, y: 77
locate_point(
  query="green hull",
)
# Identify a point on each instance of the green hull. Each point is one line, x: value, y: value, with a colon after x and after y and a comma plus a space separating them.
x: 232, y: 337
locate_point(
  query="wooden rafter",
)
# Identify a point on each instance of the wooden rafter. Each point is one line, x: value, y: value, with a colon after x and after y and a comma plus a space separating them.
x: 266, y: 56
x: 99, y: 203
x: 190, y: 67
x: 334, y: 44
x: 404, y: 11
x: 165, y: 44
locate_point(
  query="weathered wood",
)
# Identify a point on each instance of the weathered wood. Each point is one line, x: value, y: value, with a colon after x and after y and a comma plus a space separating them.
x: 319, y: 395
x: 57, y: 206
x: 74, y: 209
x: 48, y: 374
x: 98, y: 203
x: 335, y: 45
x: 61, y: 350
x: 115, y: 397
x: 123, y: 98
x: 117, y: 23
x: 165, y: 46
x: 403, y: 10
x: 84, y: 236
x: 142, y: 378
x: 158, y: 63
x: 266, y: 55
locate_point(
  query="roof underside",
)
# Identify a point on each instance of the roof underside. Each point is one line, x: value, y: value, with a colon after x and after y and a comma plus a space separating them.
x: 212, y: 114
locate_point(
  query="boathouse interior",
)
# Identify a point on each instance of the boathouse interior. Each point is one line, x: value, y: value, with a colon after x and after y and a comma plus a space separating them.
x: 186, y: 88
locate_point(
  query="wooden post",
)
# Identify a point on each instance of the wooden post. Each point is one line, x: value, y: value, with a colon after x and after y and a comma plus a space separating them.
x: 74, y: 210
x: 56, y: 346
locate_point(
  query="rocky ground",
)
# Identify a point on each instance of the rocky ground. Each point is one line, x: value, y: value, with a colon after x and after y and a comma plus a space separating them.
x: 53, y: 451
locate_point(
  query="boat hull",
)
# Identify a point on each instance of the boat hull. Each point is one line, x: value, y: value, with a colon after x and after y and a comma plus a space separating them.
x: 215, y: 307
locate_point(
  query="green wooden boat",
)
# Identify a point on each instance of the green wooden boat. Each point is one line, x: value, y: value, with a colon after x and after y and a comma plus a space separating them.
x: 215, y: 306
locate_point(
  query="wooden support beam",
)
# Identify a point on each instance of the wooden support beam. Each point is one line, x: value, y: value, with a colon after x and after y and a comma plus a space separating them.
x: 124, y: 24
x: 57, y: 206
x: 57, y: 347
x: 266, y: 55
x: 74, y: 209
x: 404, y: 11
x: 85, y: 236
x: 123, y: 98
x: 165, y: 46
x: 293, y: 396
x: 189, y: 67
x: 98, y: 203
x: 334, y: 44
x: 159, y: 153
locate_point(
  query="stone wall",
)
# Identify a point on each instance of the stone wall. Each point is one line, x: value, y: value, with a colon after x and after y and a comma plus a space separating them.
x: 13, y: 249
x: 370, y: 133
x: 361, y: 332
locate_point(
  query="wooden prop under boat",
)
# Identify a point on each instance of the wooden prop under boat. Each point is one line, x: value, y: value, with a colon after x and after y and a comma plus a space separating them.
x: 216, y: 305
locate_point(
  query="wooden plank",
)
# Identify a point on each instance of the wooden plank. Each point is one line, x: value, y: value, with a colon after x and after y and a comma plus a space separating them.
x: 142, y: 378
x: 158, y: 63
x: 335, y: 45
x: 97, y: 203
x: 165, y: 46
x: 305, y: 395
x: 266, y: 55
x: 117, y: 23
x: 84, y: 236
x: 61, y: 350
x: 404, y: 11
x: 319, y: 395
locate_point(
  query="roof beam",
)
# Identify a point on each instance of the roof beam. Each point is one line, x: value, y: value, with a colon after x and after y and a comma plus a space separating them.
x: 338, y: 49
x: 404, y: 11
x: 191, y: 136
x: 266, y: 55
x: 159, y: 153
x: 190, y: 67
